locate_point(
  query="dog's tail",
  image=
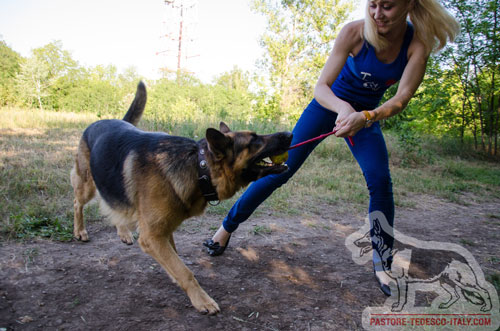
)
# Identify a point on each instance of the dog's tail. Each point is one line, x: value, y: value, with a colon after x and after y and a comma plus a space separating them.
x: 136, y: 109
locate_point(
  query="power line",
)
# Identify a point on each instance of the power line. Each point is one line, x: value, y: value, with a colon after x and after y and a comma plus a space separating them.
x: 179, y: 29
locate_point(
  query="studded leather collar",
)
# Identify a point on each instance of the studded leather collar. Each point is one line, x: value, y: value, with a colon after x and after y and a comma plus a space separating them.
x: 204, y: 181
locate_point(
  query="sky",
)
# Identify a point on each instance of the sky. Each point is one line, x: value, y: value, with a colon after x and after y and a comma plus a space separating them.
x: 219, y: 34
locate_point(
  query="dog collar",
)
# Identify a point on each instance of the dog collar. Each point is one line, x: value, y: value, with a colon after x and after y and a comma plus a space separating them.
x: 204, y: 181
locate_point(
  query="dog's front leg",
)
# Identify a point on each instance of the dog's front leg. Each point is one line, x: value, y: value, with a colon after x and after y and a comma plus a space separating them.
x: 160, y: 248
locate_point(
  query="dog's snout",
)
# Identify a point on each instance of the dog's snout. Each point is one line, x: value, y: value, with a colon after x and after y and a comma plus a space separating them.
x: 287, y: 136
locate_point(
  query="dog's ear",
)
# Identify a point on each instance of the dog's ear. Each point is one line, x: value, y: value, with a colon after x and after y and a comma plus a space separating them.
x: 224, y: 128
x: 217, y: 143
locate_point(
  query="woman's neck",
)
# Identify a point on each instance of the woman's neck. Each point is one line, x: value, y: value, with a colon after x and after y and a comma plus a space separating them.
x: 396, y: 35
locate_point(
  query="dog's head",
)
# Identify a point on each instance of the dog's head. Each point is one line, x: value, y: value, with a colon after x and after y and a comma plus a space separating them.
x: 245, y: 155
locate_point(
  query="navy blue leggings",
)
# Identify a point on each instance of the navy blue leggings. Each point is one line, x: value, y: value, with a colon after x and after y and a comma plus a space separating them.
x: 369, y: 150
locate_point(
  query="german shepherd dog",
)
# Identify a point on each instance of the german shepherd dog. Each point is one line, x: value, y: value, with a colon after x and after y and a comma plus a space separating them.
x: 149, y: 181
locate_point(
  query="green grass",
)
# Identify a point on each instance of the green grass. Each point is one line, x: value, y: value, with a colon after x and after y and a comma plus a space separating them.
x: 37, y: 150
x: 260, y: 230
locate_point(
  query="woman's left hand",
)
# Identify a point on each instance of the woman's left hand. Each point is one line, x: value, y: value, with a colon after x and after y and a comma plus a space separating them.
x: 350, y: 125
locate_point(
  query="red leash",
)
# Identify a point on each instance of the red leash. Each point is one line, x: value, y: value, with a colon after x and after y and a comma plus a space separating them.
x: 324, y: 135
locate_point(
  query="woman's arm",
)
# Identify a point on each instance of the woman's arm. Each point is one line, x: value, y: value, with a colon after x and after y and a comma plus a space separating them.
x: 347, y: 40
x: 410, y: 81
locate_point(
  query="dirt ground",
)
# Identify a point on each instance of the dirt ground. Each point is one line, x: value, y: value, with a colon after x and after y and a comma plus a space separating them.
x: 298, y: 276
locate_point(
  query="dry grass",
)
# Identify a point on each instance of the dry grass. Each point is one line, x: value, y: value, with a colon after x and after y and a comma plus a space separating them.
x: 36, y: 154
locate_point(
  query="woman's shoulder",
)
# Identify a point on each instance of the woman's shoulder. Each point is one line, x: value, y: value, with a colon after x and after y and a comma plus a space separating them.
x: 351, y: 37
x: 352, y: 33
x: 353, y: 29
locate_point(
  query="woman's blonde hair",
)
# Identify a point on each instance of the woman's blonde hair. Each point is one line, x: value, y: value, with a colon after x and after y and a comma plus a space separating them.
x: 434, y: 25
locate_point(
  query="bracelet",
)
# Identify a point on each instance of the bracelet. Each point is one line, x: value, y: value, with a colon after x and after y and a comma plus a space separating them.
x: 369, y: 118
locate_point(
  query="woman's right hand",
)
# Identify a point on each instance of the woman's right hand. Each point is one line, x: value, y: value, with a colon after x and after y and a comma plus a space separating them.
x: 343, y: 113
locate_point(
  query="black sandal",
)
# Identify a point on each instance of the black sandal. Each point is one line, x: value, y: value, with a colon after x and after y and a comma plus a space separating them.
x: 214, y: 248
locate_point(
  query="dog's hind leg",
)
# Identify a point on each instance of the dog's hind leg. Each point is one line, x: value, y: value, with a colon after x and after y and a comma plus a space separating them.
x: 83, y: 188
x: 159, y: 247
x: 122, y: 219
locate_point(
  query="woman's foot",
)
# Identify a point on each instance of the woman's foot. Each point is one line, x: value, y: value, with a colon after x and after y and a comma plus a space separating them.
x: 383, y: 278
x: 217, y: 245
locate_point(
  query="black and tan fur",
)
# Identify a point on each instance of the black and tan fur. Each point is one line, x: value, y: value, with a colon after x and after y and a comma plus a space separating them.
x: 149, y: 181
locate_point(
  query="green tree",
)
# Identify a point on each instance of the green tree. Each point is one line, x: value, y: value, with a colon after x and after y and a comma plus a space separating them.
x: 58, y: 61
x: 44, y: 74
x: 33, y: 81
x: 235, y: 79
x: 9, y: 68
x: 476, y: 62
x: 297, y: 42
x: 460, y: 91
x: 99, y: 89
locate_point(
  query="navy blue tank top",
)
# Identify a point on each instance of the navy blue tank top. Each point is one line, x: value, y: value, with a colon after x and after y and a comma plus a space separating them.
x: 364, y: 78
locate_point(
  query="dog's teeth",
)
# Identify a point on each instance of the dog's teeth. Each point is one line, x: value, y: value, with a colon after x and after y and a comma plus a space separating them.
x: 266, y: 162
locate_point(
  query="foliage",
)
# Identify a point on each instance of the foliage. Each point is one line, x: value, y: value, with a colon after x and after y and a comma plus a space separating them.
x: 9, y: 68
x: 51, y: 79
x: 26, y: 227
x: 33, y: 81
x: 460, y: 93
x: 433, y: 109
x: 296, y: 42
x: 40, y: 74
x: 100, y: 89
x: 188, y: 100
x: 476, y: 64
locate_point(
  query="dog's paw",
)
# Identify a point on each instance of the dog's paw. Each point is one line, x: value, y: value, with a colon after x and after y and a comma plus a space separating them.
x: 205, y: 304
x: 125, y: 235
x: 81, y: 235
x: 127, y: 238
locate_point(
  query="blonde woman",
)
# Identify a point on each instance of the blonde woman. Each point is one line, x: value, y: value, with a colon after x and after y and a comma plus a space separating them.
x: 368, y: 57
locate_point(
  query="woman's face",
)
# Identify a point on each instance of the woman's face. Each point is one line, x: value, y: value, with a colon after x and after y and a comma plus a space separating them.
x: 388, y: 14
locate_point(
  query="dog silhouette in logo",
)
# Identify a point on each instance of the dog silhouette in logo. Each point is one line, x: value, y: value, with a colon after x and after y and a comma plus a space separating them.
x: 425, y: 266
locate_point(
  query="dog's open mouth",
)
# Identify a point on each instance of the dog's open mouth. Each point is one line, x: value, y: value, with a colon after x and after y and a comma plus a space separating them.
x: 272, y: 159
x: 271, y: 164
x: 266, y: 162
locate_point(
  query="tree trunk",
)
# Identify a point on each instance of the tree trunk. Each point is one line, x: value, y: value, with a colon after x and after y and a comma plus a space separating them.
x: 496, y: 124
x: 491, y: 110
